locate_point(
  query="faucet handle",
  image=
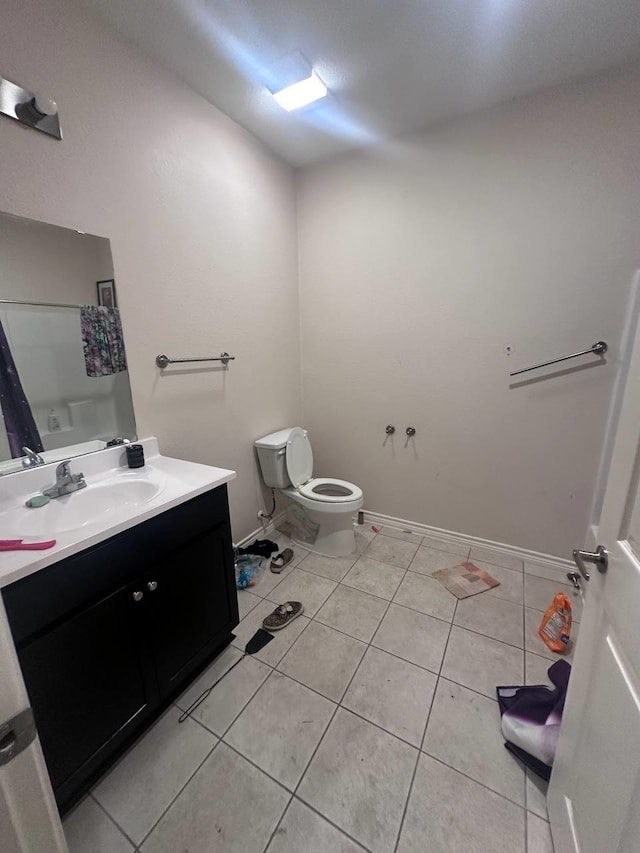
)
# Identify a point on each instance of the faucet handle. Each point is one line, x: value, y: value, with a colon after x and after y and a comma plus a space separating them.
x: 63, y: 469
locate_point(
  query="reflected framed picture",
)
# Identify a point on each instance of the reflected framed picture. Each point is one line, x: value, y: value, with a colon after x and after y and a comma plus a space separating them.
x: 107, y: 293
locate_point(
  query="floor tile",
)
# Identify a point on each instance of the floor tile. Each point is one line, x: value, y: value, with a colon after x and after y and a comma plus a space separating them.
x: 311, y: 590
x: 225, y: 701
x: 533, y: 642
x: 364, y: 537
x: 301, y: 829
x: 246, y: 602
x: 376, y: 578
x: 333, y: 568
x: 359, y: 778
x: 449, y: 813
x: 269, y: 580
x: 352, y: 611
x: 482, y: 663
x: 406, y: 535
x: 538, y: 835
x: 430, y: 560
x: 88, y: 830
x: 540, y: 592
x: 393, y: 694
x: 492, y: 617
x: 444, y: 545
x: 552, y: 573
x: 280, y: 728
x: 535, y: 669
x: 511, y: 582
x: 427, y: 595
x: 282, y: 640
x: 395, y: 552
x: 536, y: 795
x: 464, y: 732
x: 414, y: 636
x: 144, y: 782
x: 229, y: 806
x: 496, y: 558
x: 324, y: 660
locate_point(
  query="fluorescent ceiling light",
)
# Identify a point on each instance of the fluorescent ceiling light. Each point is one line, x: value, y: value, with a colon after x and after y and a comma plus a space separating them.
x: 301, y: 93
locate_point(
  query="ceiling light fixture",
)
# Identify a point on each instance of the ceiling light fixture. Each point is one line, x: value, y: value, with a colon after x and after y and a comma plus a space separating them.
x: 301, y: 93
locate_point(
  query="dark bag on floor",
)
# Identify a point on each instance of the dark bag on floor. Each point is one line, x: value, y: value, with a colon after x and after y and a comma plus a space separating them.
x: 531, y: 718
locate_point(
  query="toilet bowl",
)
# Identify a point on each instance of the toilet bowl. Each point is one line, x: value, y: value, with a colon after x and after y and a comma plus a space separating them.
x: 320, y: 509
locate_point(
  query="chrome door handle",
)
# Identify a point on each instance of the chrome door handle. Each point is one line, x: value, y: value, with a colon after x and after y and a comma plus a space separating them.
x: 599, y: 558
x: 152, y: 586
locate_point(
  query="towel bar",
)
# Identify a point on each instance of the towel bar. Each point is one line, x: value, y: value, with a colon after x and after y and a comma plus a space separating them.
x: 163, y: 360
x: 599, y: 348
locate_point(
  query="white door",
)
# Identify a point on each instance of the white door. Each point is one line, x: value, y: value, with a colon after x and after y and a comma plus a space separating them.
x: 594, y: 794
x: 29, y: 821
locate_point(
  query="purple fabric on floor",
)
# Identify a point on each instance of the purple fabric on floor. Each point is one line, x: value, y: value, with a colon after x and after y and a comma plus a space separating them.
x: 531, y: 718
x: 18, y: 419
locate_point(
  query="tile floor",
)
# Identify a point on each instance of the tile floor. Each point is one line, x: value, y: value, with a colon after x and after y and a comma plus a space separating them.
x: 369, y: 724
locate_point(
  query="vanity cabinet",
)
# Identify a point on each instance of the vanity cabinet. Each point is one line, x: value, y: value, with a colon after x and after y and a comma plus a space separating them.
x: 108, y: 637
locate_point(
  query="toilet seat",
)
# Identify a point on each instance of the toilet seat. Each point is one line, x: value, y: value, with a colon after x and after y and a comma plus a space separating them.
x: 324, y: 490
x: 330, y: 490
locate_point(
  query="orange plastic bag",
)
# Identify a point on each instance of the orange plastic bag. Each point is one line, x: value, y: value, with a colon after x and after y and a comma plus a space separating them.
x: 555, y: 628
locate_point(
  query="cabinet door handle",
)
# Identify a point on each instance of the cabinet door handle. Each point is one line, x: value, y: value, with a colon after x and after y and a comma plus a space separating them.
x: 137, y: 595
x: 152, y: 586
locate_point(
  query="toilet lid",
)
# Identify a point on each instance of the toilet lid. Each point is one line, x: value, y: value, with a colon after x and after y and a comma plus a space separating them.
x: 299, y: 457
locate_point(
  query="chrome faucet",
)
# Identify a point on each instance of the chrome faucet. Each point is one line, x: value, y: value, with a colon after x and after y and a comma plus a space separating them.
x: 31, y: 458
x: 66, y: 482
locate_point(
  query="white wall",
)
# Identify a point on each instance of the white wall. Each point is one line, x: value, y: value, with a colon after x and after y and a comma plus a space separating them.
x: 202, y: 226
x: 420, y: 260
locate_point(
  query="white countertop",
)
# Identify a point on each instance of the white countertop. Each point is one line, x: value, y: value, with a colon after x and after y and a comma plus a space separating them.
x: 175, y: 481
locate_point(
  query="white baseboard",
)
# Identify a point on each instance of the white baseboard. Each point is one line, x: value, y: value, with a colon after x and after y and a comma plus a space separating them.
x: 548, y: 560
x: 263, y: 531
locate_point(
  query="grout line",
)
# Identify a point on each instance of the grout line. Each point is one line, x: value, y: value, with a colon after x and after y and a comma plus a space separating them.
x: 329, y: 821
x: 112, y: 819
x: 338, y: 706
x: 481, y: 784
x: 424, y: 732
x: 141, y: 842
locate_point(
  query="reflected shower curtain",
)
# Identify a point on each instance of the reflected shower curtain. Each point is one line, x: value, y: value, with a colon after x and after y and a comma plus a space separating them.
x: 18, y: 419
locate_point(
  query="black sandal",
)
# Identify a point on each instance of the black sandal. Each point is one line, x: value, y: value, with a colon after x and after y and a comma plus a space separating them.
x: 261, y: 547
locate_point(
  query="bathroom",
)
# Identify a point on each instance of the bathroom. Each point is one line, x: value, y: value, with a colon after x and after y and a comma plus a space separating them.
x: 383, y: 271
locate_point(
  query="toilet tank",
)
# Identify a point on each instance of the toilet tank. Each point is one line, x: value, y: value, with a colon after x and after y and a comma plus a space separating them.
x: 272, y: 457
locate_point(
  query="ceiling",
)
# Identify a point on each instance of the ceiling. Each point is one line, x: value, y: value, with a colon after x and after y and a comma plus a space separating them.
x: 392, y: 66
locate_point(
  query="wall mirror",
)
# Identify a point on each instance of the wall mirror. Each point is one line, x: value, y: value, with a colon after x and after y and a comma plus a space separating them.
x: 64, y: 384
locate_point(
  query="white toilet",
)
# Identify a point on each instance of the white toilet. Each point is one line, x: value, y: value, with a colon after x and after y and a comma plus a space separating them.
x: 320, y: 509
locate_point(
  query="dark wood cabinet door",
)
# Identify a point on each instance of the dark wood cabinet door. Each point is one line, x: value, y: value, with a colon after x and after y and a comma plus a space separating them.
x: 192, y: 606
x: 88, y: 684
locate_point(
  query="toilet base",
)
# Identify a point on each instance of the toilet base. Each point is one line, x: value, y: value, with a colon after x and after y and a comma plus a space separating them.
x: 334, y: 535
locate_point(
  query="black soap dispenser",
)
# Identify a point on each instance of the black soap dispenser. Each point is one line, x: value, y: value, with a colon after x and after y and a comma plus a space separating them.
x: 135, y: 456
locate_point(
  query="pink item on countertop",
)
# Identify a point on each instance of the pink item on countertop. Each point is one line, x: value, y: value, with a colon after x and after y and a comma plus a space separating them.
x: 19, y: 545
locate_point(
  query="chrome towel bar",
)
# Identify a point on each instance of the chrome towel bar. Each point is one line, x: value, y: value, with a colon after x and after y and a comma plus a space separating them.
x: 163, y: 360
x: 599, y: 348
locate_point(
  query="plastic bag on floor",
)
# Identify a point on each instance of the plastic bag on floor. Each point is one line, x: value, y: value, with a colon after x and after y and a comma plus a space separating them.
x: 249, y: 570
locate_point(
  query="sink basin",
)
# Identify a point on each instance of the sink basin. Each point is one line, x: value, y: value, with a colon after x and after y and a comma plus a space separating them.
x: 102, y: 503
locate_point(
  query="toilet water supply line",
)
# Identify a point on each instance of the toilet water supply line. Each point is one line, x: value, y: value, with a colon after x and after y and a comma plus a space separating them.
x: 262, y: 515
